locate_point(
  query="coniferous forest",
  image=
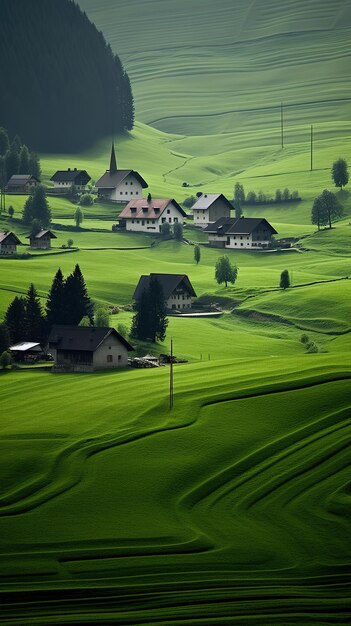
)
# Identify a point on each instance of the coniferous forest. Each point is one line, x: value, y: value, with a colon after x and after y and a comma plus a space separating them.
x: 62, y: 88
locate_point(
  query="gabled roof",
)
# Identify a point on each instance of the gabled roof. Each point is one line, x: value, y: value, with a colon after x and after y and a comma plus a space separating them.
x: 21, y: 179
x: 69, y: 176
x: 207, y: 199
x: 23, y: 346
x: 9, y: 234
x: 110, y: 180
x: 85, y: 338
x: 150, y: 210
x: 168, y: 282
x: 41, y: 234
x: 238, y: 226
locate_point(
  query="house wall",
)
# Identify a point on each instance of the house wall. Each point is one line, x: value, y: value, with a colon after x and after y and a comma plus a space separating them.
x: 111, y: 347
x: 257, y: 239
x: 146, y: 225
x: 42, y: 243
x: 8, y: 249
x: 128, y: 189
x: 204, y: 217
x: 179, y: 299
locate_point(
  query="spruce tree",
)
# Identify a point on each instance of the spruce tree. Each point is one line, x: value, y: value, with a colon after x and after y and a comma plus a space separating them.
x: 55, y: 305
x: 5, y: 340
x: 77, y: 301
x: 12, y: 162
x: 34, y: 165
x: 284, y: 280
x: 23, y: 160
x: 4, y: 141
x: 140, y: 322
x: 34, y: 318
x: 197, y: 254
x: 158, y: 313
x: 37, y: 207
x: 15, y: 318
x: 28, y: 211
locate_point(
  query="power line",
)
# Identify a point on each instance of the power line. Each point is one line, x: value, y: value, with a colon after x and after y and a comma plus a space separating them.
x: 171, y: 379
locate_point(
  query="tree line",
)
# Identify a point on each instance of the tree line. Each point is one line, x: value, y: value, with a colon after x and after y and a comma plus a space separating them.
x: 16, y: 158
x: 62, y: 87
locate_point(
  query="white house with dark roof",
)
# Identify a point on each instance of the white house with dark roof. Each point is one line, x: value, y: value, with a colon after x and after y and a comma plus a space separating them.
x: 209, y: 208
x: 42, y: 240
x: 177, y: 289
x: 87, y: 348
x: 120, y: 185
x: 21, y: 183
x: 64, y: 180
x: 8, y: 243
x: 147, y: 216
x: 241, y: 233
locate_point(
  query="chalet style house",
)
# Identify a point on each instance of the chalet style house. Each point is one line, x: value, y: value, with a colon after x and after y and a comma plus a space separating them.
x: 21, y: 183
x: 64, y: 180
x: 42, y: 240
x: 209, y: 208
x: 177, y: 289
x: 147, y: 216
x: 87, y: 348
x: 119, y: 185
x: 241, y: 233
x: 8, y: 243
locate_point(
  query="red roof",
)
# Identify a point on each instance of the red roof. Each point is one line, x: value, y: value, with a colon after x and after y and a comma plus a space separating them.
x: 141, y: 208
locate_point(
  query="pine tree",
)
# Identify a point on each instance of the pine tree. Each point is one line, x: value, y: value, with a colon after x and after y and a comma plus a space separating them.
x: 35, y: 228
x: 15, y: 319
x: 158, y: 313
x: 37, y: 207
x: 28, y: 211
x: 284, y: 280
x: 55, y: 305
x: 12, y: 162
x: 5, y: 340
x: 34, y: 165
x: 140, y: 322
x: 34, y: 318
x: 23, y: 160
x: 77, y: 301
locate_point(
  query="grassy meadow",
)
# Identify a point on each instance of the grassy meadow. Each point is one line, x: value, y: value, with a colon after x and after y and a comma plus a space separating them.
x: 233, y: 507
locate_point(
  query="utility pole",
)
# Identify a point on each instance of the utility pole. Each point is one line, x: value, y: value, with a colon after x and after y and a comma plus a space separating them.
x: 311, y: 147
x: 282, y: 124
x: 171, y: 379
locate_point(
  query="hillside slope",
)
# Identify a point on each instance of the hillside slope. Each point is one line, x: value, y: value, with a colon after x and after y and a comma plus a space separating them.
x: 200, y: 67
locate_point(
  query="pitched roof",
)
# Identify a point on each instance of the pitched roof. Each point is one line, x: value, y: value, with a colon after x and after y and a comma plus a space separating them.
x: 5, y: 235
x: 144, y: 209
x: 241, y: 225
x: 110, y: 180
x: 69, y: 176
x: 206, y: 199
x: 21, y: 179
x: 41, y: 234
x: 85, y: 338
x: 168, y: 282
x: 23, y: 346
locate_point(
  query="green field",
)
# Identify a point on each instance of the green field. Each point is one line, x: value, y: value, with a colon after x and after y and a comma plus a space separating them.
x: 233, y: 508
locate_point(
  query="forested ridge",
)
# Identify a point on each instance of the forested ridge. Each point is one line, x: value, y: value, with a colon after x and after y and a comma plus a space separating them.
x: 62, y: 88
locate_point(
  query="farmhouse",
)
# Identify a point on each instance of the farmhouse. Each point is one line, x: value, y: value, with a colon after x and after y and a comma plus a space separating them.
x: 177, y: 289
x: 119, y: 185
x: 8, y: 243
x: 42, y: 240
x: 21, y: 183
x: 209, y: 208
x: 240, y: 233
x: 87, y: 348
x: 147, y: 216
x: 64, y: 180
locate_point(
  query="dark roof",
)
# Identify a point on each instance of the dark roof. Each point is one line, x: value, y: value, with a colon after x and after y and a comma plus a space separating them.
x: 41, y: 234
x: 207, y: 199
x: 144, y: 209
x: 169, y: 282
x: 86, y: 338
x: 241, y: 225
x: 113, y: 179
x: 69, y: 176
x: 21, y: 179
x: 5, y: 235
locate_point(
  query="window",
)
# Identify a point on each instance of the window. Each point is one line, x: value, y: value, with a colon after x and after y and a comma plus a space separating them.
x: 132, y: 221
x: 126, y: 193
x: 241, y: 244
x: 126, y: 183
x: 168, y: 211
x: 119, y: 357
x: 131, y: 183
x: 109, y: 358
x: 175, y: 220
x: 137, y: 193
x: 121, y: 193
x: 163, y: 220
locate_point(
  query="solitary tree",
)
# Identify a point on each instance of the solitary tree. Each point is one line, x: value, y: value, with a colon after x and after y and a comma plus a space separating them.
x: 78, y: 216
x: 225, y: 272
x: 340, y: 174
x: 11, y: 211
x: 197, y: 254
x: 284, y: 280
x: 178, y: 231
x: 326, y: 209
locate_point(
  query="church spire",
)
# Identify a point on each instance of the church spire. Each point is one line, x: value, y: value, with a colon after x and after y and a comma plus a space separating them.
x: 113, y: 162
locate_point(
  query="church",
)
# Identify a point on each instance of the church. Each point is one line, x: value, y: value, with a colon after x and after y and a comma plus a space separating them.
x: 120, y: 185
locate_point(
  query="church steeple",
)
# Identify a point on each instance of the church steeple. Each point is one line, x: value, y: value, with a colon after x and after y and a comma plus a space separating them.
x: 113, y: 162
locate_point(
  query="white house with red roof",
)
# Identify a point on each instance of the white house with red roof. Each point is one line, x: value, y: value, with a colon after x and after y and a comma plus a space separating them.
x: 148, y: 215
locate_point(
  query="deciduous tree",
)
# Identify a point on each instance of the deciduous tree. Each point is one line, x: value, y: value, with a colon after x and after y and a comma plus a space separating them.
x: 225, y: 272
x: 340, y: 174
x: 284, y: 280
x: 178, y: 231
x: 78, y: 217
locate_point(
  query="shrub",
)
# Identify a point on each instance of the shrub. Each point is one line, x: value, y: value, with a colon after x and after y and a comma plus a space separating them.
x: 5, y: 360
x: 69, y: 243
x: 178, y: 231
x: 304, y: 338
x: 86, y: 199
x: 189, y: 201
x: 312, y: 348
x: 166, y: 231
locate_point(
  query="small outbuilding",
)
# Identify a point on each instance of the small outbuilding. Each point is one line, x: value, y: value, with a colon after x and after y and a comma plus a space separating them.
x: 87, y: 348
x: 243, y: 233
x: 22, y: 183
x: 177, y: 289
x: 209, y: 208
x: 8, y: 243
x: 42, y: 240
x: 26, y: 351
x: 65, y: 180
